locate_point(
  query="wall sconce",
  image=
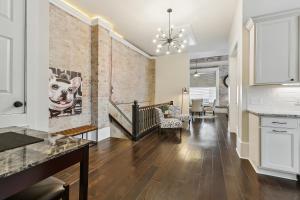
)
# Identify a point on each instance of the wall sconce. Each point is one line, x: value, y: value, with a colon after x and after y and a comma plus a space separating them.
x: 185, y: 90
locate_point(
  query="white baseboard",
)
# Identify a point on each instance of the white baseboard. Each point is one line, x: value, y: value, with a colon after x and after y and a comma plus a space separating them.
x: 103, y: 133
x: 273, y: 173
x: 242, y: 148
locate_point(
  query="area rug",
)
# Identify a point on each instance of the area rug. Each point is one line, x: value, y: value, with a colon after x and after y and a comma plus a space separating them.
x: 206, y: 117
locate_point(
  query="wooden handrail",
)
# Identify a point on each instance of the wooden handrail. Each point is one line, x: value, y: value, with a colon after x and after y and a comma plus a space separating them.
x: 157, y: 105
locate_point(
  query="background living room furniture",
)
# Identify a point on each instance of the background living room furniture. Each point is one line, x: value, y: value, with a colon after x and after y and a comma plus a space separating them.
x: 168, y: 123
x: 176, y: 112
x: 197, y: 106
x: 210, y: 108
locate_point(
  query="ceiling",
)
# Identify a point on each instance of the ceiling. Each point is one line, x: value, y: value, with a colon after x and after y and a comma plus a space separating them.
x: 209, y: 21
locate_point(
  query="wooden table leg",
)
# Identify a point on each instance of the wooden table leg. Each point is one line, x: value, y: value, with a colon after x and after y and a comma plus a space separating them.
x: 84, y: 174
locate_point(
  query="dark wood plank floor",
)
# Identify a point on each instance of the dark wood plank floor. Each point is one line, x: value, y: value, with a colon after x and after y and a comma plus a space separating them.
x: 203, y: 166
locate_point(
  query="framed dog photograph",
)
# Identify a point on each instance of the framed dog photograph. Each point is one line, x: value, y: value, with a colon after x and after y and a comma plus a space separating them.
x: 65, y: 95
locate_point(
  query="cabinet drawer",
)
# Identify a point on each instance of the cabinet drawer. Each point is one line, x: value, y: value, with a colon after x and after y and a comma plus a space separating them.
x: 277, y: 122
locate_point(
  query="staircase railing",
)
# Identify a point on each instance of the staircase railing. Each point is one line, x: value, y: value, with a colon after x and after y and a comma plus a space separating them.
x: 144, y: 119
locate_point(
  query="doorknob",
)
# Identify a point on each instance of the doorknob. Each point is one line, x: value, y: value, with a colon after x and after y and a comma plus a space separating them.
x: 18, y: 104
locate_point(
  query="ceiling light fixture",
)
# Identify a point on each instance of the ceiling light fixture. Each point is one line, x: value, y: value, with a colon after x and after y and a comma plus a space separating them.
x: 196, y: 74
x: 172, y: 41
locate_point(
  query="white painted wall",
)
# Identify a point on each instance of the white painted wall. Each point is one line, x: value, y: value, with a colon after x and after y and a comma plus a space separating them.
x: 239, y: 72
x: 172, y: 74
x: 37, y: 64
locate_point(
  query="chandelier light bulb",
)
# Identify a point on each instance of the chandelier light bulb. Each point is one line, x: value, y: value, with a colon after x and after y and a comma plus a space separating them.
x: 157, y: 36
x: 179, y: 51
x: 182, y: 46
x: 168, y: 52
x: 172, y: 26
x: 164, y: 35
x: 154, y: 41
x: 184, y: 41
x: 180, y: 35
x: 159, y: 29
x: 159, y: 46
x: 157, y: 50
x: 182, y: 30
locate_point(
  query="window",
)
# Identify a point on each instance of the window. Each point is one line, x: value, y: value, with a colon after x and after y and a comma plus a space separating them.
x: 208, y: 94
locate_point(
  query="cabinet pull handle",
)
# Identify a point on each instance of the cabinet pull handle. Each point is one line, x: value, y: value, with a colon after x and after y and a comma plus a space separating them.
x: 275, y: 131
x: 279, y: 123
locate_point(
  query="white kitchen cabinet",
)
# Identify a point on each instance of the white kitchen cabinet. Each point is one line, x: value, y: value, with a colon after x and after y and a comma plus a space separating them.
x: 280, y: 149
x: 274, y: 47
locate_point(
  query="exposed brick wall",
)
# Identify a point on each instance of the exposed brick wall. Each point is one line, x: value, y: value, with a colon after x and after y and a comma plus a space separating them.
x: 101, y: 63
x: 70, y: 49
x: 133, y: 77
x: 77, y: 46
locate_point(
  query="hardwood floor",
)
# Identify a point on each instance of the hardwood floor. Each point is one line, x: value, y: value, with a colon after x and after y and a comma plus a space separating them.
x: 203, y: 166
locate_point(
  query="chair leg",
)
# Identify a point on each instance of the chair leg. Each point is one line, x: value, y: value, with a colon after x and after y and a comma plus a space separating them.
x: 66, y: 193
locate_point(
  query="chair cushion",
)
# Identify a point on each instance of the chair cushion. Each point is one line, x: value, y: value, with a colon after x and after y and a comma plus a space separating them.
x: 48, y: 189
x: 171, y: 123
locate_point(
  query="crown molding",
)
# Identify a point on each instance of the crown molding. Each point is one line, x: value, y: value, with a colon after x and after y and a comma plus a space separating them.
x: 102, y: 23
x: 72, y: 11
x: 97, y: 21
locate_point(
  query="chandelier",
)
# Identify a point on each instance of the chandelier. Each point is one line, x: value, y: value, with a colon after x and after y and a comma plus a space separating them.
x: 170, y: 41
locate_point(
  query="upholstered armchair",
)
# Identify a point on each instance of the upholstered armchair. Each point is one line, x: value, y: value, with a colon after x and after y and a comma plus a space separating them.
x: 175, y: 112
x: 168, y: 123
x: 211, y: 108
x: 197, y: 106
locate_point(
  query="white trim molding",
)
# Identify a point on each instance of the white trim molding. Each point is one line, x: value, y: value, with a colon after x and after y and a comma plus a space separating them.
x: 273, y: 173
x: 103, y: 133
x: 72, y: 10
x: 75, y: 12
x: 242, y: 148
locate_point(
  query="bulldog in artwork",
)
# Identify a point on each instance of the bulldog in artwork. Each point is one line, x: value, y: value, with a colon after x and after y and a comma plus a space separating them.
x: 62, y: 93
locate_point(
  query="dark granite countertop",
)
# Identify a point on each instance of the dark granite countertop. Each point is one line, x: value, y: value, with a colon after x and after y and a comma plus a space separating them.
x: 18, y: 159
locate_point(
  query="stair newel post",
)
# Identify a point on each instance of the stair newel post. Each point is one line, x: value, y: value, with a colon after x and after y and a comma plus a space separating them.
x: 135, y: 120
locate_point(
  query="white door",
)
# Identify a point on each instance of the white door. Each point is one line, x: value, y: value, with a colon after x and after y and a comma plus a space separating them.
x: 277, y: 51
x: 12, y: 67
x: 280, y: 149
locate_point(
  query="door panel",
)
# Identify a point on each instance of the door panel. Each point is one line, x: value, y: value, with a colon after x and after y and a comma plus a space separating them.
x: 6, y: 65
x: 6, y: 8
x: 12, y: 62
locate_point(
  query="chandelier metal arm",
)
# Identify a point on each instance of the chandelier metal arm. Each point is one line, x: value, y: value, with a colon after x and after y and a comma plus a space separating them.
x: 171, y: 39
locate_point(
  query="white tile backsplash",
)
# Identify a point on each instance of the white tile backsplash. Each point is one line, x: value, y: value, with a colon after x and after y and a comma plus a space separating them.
x: 279, y: 98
